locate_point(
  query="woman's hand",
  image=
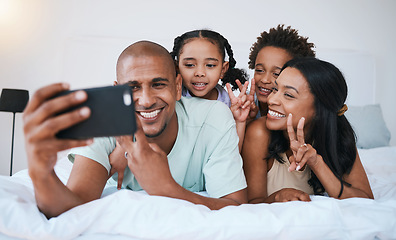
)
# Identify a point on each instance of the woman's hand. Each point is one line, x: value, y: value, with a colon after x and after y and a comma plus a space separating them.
x: 290, y: 194
x: 303, y: 153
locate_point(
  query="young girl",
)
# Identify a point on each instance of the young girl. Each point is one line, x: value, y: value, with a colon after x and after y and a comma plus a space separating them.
x: 307, y: 145
x: 200, y: 59
x: 267, y: 56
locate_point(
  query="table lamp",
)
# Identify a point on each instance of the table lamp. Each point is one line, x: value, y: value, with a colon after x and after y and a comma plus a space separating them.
x: 13, y: 100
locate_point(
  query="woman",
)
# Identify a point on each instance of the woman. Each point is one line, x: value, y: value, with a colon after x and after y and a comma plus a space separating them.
x: 306, y: 145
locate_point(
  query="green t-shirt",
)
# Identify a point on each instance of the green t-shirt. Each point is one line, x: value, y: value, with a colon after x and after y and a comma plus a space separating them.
x: 205, y: 156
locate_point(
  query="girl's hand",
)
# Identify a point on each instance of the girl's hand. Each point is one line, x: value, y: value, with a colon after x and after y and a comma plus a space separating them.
x: 118, y: 163
x: 240, y: 106
x: 302, y: 153
x: 250, y: 97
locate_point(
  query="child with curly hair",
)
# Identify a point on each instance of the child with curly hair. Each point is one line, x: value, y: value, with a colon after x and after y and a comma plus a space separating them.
x: 267, y: 56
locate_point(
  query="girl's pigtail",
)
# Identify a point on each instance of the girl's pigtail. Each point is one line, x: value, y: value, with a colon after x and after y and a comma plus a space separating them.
x: 233, y: 73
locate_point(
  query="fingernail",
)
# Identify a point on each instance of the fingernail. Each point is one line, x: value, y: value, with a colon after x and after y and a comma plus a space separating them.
x: 84, y: 111
x: 65, y: 85
x: 80, y: 95
x: 290, y: 114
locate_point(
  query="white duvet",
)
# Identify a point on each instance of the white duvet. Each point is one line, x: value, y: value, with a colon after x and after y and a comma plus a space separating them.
x: 135, y: 215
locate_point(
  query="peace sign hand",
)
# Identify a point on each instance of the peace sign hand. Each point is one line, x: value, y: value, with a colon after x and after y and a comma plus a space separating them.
x: 240, y: 106
x: 303, y: 153
x: 253, y: 107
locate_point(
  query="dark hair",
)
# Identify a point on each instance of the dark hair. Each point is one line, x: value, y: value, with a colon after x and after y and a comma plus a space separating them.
x: 222, y: 43
x: 331, y: 135
x: 285, y: 38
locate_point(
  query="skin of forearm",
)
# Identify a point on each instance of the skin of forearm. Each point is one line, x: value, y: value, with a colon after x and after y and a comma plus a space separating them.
x: 52, y: 196
x: 240, y: 126
x: 179, y: 192
x: 332, y: 184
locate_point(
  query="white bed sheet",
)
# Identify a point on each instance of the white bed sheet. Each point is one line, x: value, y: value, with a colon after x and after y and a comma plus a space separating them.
x: 135, y: 215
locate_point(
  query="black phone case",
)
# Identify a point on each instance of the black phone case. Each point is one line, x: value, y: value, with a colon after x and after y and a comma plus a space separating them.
x: 112, y: 114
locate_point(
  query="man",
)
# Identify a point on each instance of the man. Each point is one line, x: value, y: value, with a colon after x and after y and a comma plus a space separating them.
x: 190, y: 143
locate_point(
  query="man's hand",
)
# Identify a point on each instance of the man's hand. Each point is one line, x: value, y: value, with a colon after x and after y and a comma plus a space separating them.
x: 118, y: 164
x: 148, y: 163
x: 41, y: 123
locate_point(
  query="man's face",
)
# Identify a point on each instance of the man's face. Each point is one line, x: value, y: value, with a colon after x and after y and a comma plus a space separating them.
x: 155, y: 90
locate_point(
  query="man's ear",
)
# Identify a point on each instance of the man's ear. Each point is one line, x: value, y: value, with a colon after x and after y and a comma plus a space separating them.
x: 224, y: 69
x: 178, y: 82
x: 115, y: 83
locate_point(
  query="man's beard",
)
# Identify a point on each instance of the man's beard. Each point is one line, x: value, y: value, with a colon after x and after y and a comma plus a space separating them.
x: 158, y: 133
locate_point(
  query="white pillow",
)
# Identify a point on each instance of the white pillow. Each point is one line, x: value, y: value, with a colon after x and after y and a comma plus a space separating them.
x: 369, y: 125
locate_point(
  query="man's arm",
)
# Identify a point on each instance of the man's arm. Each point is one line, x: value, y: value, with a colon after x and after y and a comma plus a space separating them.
x: 41, y: 123
x: 150, y: 166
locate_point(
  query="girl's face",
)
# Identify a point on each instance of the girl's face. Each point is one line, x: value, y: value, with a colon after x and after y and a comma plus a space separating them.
x: 291, y: 94
x: 269, y: 62
x: 201, y: 66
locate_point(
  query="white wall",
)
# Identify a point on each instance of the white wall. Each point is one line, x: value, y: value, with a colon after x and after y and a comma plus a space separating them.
x: 38, y: 38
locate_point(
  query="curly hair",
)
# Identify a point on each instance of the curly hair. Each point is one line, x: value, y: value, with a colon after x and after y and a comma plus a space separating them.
x: 222, y: 43
x: 285, y: 38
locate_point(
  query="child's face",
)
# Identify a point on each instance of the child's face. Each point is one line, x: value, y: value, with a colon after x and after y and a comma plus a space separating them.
x: 201, y: 66
x: 269, y: 62
x: 291, y: 94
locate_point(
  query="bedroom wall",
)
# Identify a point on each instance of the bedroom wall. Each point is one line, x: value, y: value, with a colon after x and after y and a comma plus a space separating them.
x: 39, y: 38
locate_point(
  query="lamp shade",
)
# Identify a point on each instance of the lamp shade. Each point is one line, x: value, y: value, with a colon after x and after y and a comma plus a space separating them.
x: 13, y: 100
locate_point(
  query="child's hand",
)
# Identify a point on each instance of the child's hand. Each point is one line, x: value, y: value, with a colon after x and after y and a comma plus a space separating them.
x: 253, y: 107
x: 250, y: 97
x: 303, y: 153
x: 240, y: 106
x: 118, y: 163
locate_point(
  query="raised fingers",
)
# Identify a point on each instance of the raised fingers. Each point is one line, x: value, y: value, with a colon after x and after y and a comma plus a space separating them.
x: 252, y: 88
x: 43, y: 94
x: 230, y: 93
x: 48, y: 109
x: 300, y: 130
x: 244, y: 88
x: 51, y: 126
x: 290, y: 129
x: 239, y: 84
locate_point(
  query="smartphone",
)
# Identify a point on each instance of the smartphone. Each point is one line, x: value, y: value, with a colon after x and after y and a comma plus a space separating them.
x: 112, y: 114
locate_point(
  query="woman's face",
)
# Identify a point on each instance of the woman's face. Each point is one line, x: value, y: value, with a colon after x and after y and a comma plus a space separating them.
x: 291, y: 94
x: 269, y: 62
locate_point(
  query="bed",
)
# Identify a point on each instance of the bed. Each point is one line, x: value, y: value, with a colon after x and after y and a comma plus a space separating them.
x: 123, y: 214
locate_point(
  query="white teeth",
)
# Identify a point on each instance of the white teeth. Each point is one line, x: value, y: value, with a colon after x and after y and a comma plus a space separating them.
x: 275, y: 114
x: 199, y: 84
x: 264, y: 89
x: 152, y: 114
